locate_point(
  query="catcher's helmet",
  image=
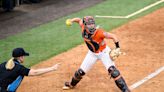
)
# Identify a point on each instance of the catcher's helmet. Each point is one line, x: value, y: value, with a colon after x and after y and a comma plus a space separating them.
x: 89, y: 23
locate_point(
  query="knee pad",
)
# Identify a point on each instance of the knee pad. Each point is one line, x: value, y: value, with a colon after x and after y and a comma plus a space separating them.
x: 79, y: 73
x: 113, y: 71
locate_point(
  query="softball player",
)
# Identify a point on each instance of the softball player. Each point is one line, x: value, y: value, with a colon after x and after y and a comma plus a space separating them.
x: 12, y: 72
x: 94, y: 39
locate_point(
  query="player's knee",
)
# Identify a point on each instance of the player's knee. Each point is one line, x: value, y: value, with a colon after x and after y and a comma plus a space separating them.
x: 79, y: 73
x: 113, y: 72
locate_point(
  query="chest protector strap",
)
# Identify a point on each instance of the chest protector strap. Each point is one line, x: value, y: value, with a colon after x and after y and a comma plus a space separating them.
x: 92, y: 45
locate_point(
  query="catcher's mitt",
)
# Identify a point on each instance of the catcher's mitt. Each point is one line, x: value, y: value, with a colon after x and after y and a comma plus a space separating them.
x: 115, y: 53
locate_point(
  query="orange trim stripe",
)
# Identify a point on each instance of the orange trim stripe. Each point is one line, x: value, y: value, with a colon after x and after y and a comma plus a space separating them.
x: 76, y: 78
x: 91, y: 46
x: 86, y: 39
x: 117, y: 77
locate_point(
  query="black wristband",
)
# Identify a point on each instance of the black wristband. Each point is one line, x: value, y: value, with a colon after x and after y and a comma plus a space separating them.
x: 117, y: 45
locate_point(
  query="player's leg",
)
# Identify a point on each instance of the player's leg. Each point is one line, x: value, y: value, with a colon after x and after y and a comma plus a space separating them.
x: 119, y: 80
x: 88, y: 62
x: 105, y: 58
x: 115, y: 74
x: 75, y: 79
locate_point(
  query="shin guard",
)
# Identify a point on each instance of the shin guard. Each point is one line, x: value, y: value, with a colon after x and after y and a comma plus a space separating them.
x: 120, y: 82
x: 77, y: 77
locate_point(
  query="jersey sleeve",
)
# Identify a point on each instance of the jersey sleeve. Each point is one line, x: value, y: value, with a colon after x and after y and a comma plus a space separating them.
x: 23, y: 70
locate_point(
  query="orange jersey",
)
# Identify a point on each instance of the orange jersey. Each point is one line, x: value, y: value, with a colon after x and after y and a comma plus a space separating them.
x: 96, y: 42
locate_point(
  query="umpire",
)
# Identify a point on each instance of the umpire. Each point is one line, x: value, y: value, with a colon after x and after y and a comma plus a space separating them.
x: 12, y: 72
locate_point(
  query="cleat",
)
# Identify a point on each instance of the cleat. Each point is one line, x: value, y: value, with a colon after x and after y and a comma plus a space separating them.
x: 67, y: 86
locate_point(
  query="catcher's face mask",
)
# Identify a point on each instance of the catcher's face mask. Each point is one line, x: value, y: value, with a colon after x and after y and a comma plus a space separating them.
x: 89, y: 24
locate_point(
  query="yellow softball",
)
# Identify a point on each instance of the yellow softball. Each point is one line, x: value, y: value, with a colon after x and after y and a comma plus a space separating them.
x: 68, y: 22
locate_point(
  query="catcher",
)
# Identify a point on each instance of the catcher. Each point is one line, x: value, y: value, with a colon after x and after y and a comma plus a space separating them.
x: 94, y: 39
x: 12, y: 72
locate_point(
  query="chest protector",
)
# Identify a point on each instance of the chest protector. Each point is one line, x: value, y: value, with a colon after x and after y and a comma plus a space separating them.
x: 91, y: 44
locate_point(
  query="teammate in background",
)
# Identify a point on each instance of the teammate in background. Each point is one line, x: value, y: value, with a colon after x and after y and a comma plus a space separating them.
x: 12, y: 72
x: 94, y: 39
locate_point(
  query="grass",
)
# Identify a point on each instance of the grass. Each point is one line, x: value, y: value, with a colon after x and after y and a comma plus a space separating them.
x: 50, y: 39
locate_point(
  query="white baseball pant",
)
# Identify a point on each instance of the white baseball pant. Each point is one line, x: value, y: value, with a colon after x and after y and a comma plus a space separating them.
x: 92, y: 57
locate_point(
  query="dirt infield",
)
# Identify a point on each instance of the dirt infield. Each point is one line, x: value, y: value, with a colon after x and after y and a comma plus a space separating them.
x: 142, y: 40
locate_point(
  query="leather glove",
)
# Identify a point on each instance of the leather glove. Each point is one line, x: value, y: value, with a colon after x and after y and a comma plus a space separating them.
x: 115, y: 53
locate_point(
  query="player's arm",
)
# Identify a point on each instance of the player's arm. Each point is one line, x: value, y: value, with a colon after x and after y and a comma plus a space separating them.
x: 77, y: 20
x: 34, y: 72
x: 113, y: 37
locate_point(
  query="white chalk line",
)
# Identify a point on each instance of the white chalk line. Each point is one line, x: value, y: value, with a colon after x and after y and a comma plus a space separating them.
x: 132, y: 14
x: 135, y: 85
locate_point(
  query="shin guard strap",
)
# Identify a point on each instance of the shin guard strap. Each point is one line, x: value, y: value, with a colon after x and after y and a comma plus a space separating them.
x: 74, y: 81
